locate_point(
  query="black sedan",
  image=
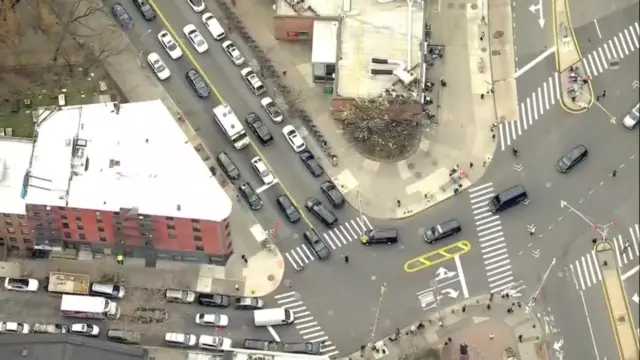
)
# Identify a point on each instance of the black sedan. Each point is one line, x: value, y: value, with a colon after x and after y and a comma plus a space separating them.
x: 122, y: 16
x: 319, y: 248
x: 214, y: 300
x: 145, y: 9
x: 250, y: 195
x: 572, y: 158
x: 197, y: 83
x: 310, y: 161
x: 333, y: 194
x: 258, y: 127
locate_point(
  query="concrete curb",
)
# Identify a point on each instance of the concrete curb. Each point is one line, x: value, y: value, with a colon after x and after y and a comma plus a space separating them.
x: 567, y: 54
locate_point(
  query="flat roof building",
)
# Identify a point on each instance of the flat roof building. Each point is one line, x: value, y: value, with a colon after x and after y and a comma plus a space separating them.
x: 123, y: 177
x: 65, y: 347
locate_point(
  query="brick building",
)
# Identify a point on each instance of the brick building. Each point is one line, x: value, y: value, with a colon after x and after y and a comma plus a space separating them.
x: 112, y: 180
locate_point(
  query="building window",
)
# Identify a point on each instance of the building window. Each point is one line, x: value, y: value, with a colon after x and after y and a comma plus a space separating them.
x: 12, y: 239
x: 80, y: 227
x: 199, y: 247
x: 100, y: 228
x: 171, y: 227
x: 98, y: 214
x: 196, y: 229
x: 26, y: 240
x: 20, y: 216
x: 103, y: 238
x: 169, y: 218
x: 78, y: 218
x: 8, y: 222
x: 195, y: 221
x: 76, y: 210
x: 117, y: 213
x: 197, y: 238
x: 24, y: 231
x: 35, y: 213
x: 172, y: 236
x: 11, y: 231
x: 63, y: 217
x: 67, y: 235
x: 65, y: 225
x: 82, y: 236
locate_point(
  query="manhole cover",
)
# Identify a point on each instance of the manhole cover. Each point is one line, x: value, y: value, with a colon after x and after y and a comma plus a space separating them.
x: 614, y: 64
x: 411, y: 166
x: 418, y: 175
x: 270, y: 277
x: 474, y: 6
x: 495, y: 53
x: 498, y: 34
x: 483, y: 49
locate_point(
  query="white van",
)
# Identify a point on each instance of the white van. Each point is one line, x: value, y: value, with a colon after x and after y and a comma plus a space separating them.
x: 214, y: 26
x: 271, y: 317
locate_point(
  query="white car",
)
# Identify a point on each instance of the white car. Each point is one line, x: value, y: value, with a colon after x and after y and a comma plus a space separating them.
x: 214, y: 342
x: 158, y: 66
x: 272, y: 109
x: 262, y: 170
x: 233, y: 52
x: 631, y: 120
x: 21, y: 284
x: 169, y: 44
x: 10, y: 327
x: 197, y: 5
x: 294, y: 139
x: 219, y: 320
x: 195, y: 38
x: 85, y: 330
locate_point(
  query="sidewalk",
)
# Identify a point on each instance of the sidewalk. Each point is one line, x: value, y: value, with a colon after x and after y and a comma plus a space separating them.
x: 264, y: 270
x: 577, y: 91
x: 489, y: 334
x: 461, y: 138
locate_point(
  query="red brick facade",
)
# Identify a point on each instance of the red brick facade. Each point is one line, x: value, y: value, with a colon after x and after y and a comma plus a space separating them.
x: 293, y: 28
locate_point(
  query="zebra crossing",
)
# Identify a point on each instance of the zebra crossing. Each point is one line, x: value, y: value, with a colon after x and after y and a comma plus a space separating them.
x: 548, y: 94
x: 586, y: 271
x: 491, y: 238
x: 305, y: 323
x: 623, y: 44
x: 334, y: 238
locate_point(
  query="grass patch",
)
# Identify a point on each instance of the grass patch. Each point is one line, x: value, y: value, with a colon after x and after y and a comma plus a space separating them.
x: 24, y: 90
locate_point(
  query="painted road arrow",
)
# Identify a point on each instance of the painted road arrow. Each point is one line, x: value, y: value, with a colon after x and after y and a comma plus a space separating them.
x: 538, y: 8
x: 635, y: 84
x: 517, y: 167
x: 443, y: 273
x: 636, y: 298
x: 535, y: 253
x: 450, y: 292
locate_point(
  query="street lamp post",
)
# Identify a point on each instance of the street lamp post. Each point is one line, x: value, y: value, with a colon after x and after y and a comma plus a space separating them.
x: 601, y: 229
x: 534, y: 297
x: 383, y: 290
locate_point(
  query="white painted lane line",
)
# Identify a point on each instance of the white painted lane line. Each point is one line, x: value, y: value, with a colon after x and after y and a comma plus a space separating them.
x: 635, y: 239
x: 367, y: 221
x: 546, y: 95
x: 494, y: 260
x: 618, y: 254
x: 310, y: 330
x: 624, y: 45
x: 635, y: 40
x: 280, y: 296
x: 493, y: 254
x: 604, y: 62
x: 475, y: 189
x: 308, y: 253
x: 333, y: 247
x: 490, y: 249
x: 482, y: 209
x: 592, y: 270
x: 540, y: 101
x: 502, y: 135
x: 615, y: 39
x: 495, y: 229
x: 606, y: 50
x: 535, y: 108
x: 493, y: 218
x: 523, y: 117
x: 500, y: 289
x: 552, y: 96
x: 513, y: 129
x: 302, y: 326
x: 493, y: 224
x: 613, y: 50
x: 505, y: 280
x: 489, y: 243
x: 558, y: 85
x: 484, y: 215
x: 493, y: 279
x: 481, y: 194
x: 503, y: 263
x: 508, y: 267
x: 595, y: 261
x: 586, y: 277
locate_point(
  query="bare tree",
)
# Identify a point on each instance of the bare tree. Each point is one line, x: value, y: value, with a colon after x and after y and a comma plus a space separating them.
x: 144, y: 310
x: 10, y: 30
x: 382, y: 127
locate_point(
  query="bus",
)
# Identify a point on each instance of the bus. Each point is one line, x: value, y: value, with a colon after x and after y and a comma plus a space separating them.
x: 231, y: 126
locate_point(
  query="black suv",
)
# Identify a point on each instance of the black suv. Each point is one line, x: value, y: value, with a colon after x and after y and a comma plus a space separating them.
x: 333, y: 194
x: 309, y: 348
x: 312, y: 164
x: 258, y: 127
x: 318, y: 246
x: 573, y: 158
x: 321, y: 212
x: 441, y: 231
x: 380, y: 236
x: 286, y: 206
x: 250, y: 195
x: 145, y: 9
x: 227, y: 166
x: 214, y: 300
x: 197, y: 83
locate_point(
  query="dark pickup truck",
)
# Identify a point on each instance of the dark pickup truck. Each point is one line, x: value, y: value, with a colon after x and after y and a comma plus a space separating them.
x: 309, y: 348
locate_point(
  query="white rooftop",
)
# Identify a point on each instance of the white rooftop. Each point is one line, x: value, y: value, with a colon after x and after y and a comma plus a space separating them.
x: 377, y: 29
x: 321, y: 7
x: 325, y: 42
x: 91, y: 157
x: 14, y: 161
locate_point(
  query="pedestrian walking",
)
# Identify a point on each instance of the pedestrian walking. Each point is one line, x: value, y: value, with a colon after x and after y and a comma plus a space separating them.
x: 481, y: 96
x: 520, y: 337
x: 442, y: 82
x: 598, y: 98
x: 491, y: 336
x: 464, y: 308
x: 594, y: 241
x: 244, y: 258
x: 491, y: 90
x: 614, y: 173
x: 490, y: 296
x: 482, y: 36
x: 519, y: 305
x: 398, y: 202
x: 237, y: 287
x: 484, y: 163
x: 284, y: 73
x: 346, y: 258
x: 488, y: 306
x: 605, y: 263
x: 493, y: 137
x: 604, y: 93
x: 532, y: 232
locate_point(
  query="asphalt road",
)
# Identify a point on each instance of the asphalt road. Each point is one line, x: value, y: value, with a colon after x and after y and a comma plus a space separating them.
x: 605, y: 27
x: 43, y: 308
x: 533, y: 29
x: 585, y: 12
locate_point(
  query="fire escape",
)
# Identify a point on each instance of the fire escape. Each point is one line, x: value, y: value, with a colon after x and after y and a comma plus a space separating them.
x: 46, y: 228
x: 131, y: 229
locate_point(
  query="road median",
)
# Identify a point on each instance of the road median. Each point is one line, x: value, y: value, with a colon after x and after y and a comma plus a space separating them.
x: 577, y: 92
x: 617, y: 304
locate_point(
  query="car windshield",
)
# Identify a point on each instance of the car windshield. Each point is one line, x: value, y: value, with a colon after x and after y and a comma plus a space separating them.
x: 634, y: 114
x: 171, y: 45
x: 264, y: 173
x: 160, y: 67
x: 566, y: 160
x: 273, y: 109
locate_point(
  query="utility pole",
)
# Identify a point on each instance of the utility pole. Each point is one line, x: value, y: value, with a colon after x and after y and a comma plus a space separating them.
x: 360, y: 206
x: 601, y: 229
x: 534, y: 297
x: 383, y: 290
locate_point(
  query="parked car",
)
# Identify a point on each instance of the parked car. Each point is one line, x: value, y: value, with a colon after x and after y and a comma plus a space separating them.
x: 111, y: 291
x: 145, y: 9
x: 124, y: 336
x: 250, y: 195
x: 257, y: 126
x: 293, y: 138
x: 319, y: 248
x: 262, y: 170
x: 272, y: 109
x: 180, y: 296
x: 214, y: 300
x: 21, y: 284
x: 288, y: 208
x: 233, y: 53
x: 572, y: 158
x: 333, y: 194
x: 214, y: 342
x: 311, y: 163
x: 50, y: 328
x: 248, y: 303
x: 158, y: 66
x: 217, y: 320
x: 169, y: 44
x: 180, y: 339
x: 197, y: 83
x: 195, y: 38
x: 10, y: 327
x: 85, y: 329
x: 317, y: 208
x: 227, y: 166
x: 122, y: 16
x: 196, y: 5
x: 631, y: 120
